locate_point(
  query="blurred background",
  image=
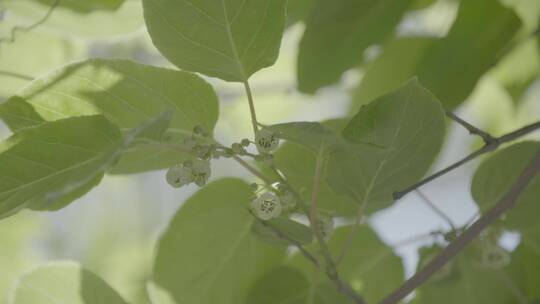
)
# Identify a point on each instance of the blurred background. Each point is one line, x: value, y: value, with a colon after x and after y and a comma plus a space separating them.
x: 113, y: 229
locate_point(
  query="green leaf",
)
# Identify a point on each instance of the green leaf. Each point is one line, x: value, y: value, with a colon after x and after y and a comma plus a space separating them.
x: 528, y: 256
x: 495, y: 177
x: 391, y: 69
x: 64, y: 282
x: 228, y: 39
x: 282, y: 285
x: 465, y: 280
x: 127, y: 94
x: 287, y: 285
x: 299, y: 10
x: 338, y: 32
x: 451, y: 67
x: 46, y: 167
x: 87, y: 5
x: 409, y: 124
x: 293, y: 229
x: 369, y: 266
x: 208, y: 253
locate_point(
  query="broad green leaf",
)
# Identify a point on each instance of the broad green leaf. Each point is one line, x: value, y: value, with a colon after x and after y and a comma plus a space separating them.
x: 528, y: 256
x: 228, y: 39
x: 63, y: 282
x: 338, y: 32
x: 293, y: 229
x: 369, y: 266
x: 467, y: 280
x: 495, y: 177
x: 48, y: 166
x: 87, y: 5
x: 451, y: 67
x: 282, y: 285
x: 127, y: 94
x: 393, y: 67
x: 208, y: 253
x: 287, y: 285
x: 409, y: 124
x: 67, y: 22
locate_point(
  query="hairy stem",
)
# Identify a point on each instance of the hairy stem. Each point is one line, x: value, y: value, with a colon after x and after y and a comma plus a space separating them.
x: 488, y: 147
x: 507, y: 202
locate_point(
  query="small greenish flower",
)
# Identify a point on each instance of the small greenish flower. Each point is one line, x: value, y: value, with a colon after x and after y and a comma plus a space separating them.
x: 179, y: 176
x: 267, y: 206
x: 201, y: 172
x: 266, y: 141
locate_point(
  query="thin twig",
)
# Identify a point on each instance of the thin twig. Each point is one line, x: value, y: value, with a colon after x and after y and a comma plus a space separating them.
x: 252, y: 169
x: 436, y: 209
x: 288, y: 239
x: 417, y: 238
x: 507, y: 202
x: 472, y: 129
x: 16, y: 75
x: 492, y: 146
x: 23, y: 29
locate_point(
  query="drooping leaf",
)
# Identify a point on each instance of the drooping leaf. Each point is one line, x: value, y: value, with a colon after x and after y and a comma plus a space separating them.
x: 338, y: 32
x: 228, y: 39
x: 468, y: 280
x: 495, y: 177
x: 393, y: 67
x: 127, y: 94
x: 451, y: 67
x: 409, y: 124
x: 208, y: 253
x: 48, y: 166
x: 312, y: 135
x: 64, y: 282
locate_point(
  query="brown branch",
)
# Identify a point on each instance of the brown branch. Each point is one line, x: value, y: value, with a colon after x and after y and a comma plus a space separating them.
x: 488, y: 147
x: 507, y: 202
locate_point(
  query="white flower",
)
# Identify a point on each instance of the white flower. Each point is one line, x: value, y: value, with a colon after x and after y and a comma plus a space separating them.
x: 266, y: 206
x: 179, y: 176
x: 266, y: 141
x: 201, y: 172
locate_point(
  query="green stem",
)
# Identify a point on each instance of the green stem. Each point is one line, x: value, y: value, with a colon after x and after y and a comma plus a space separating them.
x: 254, y: 122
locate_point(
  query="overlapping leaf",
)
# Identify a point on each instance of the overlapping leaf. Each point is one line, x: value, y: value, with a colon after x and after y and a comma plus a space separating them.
x: 208, y: 253
x: 228, y: 39
x: 127, y: 94
x: 409, y: 126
